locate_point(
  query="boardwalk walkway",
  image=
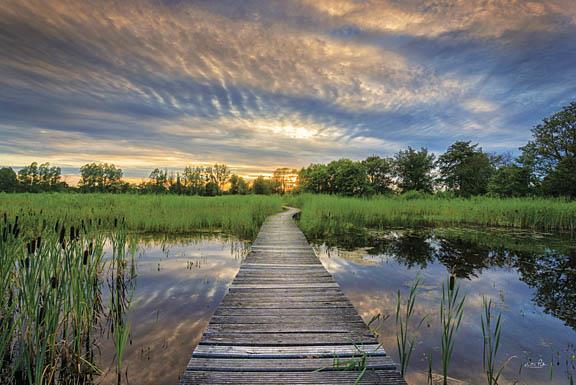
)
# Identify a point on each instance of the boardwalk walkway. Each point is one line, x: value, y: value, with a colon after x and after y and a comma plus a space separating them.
x: 286, y: 321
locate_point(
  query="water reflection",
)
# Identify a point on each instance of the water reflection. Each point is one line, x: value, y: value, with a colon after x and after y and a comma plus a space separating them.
x: 531, y: 277
x: 180, y: 282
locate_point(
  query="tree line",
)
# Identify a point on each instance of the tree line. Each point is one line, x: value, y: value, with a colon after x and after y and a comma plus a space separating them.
x: 211, y: 180
x: 546, y: 166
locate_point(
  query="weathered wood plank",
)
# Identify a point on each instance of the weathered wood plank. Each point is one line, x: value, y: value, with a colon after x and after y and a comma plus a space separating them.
x: 193, y: 377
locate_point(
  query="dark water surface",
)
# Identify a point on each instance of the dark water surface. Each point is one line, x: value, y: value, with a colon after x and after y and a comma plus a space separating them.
x: 530, y: 277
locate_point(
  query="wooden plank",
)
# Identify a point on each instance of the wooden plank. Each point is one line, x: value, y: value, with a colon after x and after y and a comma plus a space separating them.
x: 286, y: 352
x: 389, y: 377
x: 288, y: 365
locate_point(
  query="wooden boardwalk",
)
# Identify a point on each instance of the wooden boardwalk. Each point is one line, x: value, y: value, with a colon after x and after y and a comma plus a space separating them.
x: 286, y: 321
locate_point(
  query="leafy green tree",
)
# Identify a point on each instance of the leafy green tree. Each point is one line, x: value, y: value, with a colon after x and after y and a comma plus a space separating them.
x: 555, y: 138
x: 262, y: 186
x: 158, y: 181
x: 553, y: 147
x: 238, y: 185
x: 194, y: 179
x: 100, y: 177
x: 561, y: 181
x: 315, y: 179
x: 220, y: 175
x: 347, y: 178
x: 211, y: 189
x: 465, y: 169
x: 37, y: 178
x: 379, y: 173
x: 8, y: 180
x: 413, y: 170
x: 510, y: 180
x: 176, y: 186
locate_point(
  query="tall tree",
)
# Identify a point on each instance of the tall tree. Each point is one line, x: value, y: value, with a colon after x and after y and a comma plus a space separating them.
x: 220, y: 175
x: 413, y: 170
x: 555, y: 139
x: 158, y: 181
x: 194, y: 179
x: 100, y: 177
x: 347, y: 178
x: 238, y: 185
x: 8, y: 180
x: 37, y: 178
x: 262, y: 186
x: 465, y: 169
x: 553, y: 147
x: 379, y: 173
x: 315, y: 178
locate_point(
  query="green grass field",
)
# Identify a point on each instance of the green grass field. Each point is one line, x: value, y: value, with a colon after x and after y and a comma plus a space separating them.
x: 238, y: 215
x: 323, y: 214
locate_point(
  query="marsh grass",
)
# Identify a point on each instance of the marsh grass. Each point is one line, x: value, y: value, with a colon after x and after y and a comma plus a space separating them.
x: 451, y: 312
x: 324, y: 215
x: 53, y: 270
x: 491, y: 333
x: 404, y: 339
x: 237, y: 215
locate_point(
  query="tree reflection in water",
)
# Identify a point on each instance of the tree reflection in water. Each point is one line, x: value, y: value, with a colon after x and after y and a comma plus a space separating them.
x: 546, y: 264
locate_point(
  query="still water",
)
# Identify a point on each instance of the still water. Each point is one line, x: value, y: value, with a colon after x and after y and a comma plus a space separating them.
x: 179, y: 283
x: 531, y: 278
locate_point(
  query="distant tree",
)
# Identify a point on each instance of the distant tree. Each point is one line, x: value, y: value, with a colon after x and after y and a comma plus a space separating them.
x: 315, y: 179
x: 553, y: 147
x: 37, y: 178
x: 379, y: 173
x: 158, y: 181
x: 347, y: 178
x: 194, y: 179
x: 238, y: 185
x: 220, y: 175
x: 465, y: 169
x: 8, y: 180
x: 211, y: 189
x: 262, y: 186
x: 100, y: 177
x: 511, y: 180
x: 176, y: 186
x: 555, y: 139
x: 561, y: 181
x: 413, y: 170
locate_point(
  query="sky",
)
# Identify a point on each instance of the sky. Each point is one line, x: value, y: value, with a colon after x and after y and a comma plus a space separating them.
x: 265, y: 84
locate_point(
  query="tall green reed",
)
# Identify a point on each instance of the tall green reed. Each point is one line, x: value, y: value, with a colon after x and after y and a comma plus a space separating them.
x: 491, y: 336
x: 451, y: 312
x: 404, y: 339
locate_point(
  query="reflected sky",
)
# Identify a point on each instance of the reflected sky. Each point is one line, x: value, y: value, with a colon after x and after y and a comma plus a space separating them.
x: 181, y: 280
x: 370, y: 277
x: 179, y: 285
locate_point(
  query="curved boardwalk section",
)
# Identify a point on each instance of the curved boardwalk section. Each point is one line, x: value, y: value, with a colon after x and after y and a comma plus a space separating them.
x: 286, y: 321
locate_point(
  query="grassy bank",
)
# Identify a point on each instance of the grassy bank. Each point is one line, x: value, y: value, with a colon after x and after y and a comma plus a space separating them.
x: 239, y: 215
x: 323, y: 214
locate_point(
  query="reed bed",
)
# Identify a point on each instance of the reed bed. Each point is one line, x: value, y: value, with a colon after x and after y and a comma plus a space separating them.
x: 53, y: 271
x: 237, y: 215
x: 324, y: 214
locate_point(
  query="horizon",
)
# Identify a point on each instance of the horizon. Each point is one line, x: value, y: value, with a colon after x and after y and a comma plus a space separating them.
x: 269, y: 84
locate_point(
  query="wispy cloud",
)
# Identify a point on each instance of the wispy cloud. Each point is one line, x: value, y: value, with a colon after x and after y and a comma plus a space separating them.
x: 261, y: 84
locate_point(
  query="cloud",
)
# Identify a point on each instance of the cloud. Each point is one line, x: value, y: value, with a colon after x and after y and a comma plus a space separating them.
x: 266, y: 84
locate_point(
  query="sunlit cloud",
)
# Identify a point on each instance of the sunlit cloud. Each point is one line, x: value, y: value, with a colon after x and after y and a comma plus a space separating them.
x: 148, y: 84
